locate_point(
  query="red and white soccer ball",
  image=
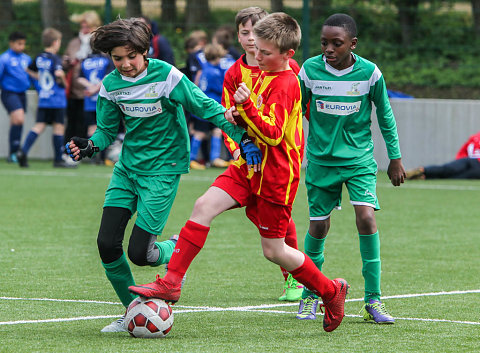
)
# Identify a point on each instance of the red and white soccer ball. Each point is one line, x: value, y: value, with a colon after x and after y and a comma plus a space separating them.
x: 148, y: 318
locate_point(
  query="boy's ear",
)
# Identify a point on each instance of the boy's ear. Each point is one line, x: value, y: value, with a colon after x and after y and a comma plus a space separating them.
x: 290, y: 53
x: 354, y: 43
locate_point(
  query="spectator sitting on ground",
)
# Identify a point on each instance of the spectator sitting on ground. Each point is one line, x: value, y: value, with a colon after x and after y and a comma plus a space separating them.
x: 465, y: 166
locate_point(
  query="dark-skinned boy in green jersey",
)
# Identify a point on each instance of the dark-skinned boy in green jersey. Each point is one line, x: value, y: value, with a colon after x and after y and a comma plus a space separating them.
x: 339, y: 87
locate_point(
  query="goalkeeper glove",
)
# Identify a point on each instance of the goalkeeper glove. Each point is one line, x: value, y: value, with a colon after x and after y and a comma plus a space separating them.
x: 86, y: 146
x: 249, y: 151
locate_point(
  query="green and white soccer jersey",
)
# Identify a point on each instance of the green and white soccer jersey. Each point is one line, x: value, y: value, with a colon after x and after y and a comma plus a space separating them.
x: 151, y: 105
x: 340, y: 112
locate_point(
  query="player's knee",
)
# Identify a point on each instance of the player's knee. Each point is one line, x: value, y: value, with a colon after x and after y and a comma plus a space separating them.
x: 108, y: 248
x: 366, y: 223
x: 319, y: 229
x: 137, y: 256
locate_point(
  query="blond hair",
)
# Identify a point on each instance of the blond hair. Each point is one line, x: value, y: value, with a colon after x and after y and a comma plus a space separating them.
x: 50, y: 35
x: 91, y: 18
x: 214, y: 51
x: 280, y: 29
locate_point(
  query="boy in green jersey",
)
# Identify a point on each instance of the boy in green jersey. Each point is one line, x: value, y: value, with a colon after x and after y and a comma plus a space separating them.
x: 149, y: 96
x: 338, y: 89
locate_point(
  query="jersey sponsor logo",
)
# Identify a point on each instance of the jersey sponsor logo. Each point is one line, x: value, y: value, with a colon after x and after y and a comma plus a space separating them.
x: 321, y: 88
x: 141, y: 110
x: 337, y: 108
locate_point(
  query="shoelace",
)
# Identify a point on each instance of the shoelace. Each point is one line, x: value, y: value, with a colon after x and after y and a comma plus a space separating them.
x: 121, y: 320
x: 380, y: 307
x: 308, y: 304
x: 292, y: 282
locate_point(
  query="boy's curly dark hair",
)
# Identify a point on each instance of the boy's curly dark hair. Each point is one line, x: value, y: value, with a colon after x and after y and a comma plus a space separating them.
x: 132, y: 32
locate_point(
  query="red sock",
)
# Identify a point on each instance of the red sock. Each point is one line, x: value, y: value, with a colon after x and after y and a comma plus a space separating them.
x: 309, y: 275
x: 190, y: 241
x: 290, y: 240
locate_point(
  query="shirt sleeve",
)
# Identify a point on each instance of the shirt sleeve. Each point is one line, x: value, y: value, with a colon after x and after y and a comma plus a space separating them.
x: 306, y: 93
x: 196, y: 102
x: 109, y: 116
x: 268, y: 123
x: 228, y: 101
x: 386, y: 119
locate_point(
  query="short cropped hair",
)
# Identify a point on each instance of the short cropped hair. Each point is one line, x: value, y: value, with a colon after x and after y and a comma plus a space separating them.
x: 252, y: 13
x: 214, y: 51
x: 16, y: 36
x: 344, y: 21
x: 132, y: 32
x: 281, y: 29
x: 50, y: 35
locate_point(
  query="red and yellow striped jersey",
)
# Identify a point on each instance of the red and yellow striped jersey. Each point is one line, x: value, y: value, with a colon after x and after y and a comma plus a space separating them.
x: 241, y: 72
x: 273, y: 117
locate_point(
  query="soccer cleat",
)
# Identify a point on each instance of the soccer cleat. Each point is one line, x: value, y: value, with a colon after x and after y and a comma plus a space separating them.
x: 196, y: 166
x: 375, y: 311
x: 22, y: 159
x: 220, y: 163
x: 292, y: 290
x: 335, y: 308
x: 308, y: 308
x: 12, y: 158
x: 158, y: 289
x: 414, y: 174
x: 116, y: 326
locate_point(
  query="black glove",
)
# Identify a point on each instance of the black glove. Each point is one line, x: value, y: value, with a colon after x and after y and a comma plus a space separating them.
x: 249, y: 151
x: 86, y: 146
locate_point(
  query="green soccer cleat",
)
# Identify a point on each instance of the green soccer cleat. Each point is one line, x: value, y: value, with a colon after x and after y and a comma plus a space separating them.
x: 375, y: 311
x: 292, y: 290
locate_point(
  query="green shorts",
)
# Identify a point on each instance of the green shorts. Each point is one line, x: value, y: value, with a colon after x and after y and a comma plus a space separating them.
x: 151, y: 196
x: 324, y: 187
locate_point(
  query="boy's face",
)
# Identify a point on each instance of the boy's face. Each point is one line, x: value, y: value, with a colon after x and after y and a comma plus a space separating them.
x: 128, y: 62
x: 337, y: 46
x: 269, y: 57
x: 18, y: 46
x: 245, y: 37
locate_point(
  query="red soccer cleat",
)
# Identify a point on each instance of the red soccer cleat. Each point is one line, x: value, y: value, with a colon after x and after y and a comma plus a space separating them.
x: 334, y: 309
x: 158, y: 289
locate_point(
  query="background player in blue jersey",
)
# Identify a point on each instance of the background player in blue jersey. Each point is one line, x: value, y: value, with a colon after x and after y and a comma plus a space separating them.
x: 50, y: 82
x: 211, y: 83
x: 93, y: 69
x: 14, y: 82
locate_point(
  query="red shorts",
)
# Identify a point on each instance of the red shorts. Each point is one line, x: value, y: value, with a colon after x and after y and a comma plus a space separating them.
x: 271, y: 219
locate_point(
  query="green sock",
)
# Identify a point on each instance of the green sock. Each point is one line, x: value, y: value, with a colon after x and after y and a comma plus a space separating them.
x: 165, y: 251
x: 119, y: 274
x: 370, y: 252
x: 314, y: 249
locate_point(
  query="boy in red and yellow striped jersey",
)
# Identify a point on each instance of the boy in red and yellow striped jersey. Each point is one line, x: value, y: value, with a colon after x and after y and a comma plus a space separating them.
x: 272, y: 115
x: 246, y: 70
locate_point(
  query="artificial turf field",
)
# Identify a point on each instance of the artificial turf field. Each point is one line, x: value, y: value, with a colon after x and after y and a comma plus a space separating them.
x: 54, y: 296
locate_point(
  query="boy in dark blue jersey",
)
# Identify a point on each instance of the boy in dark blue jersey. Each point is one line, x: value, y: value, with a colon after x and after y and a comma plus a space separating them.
x: 47, y: 70
x: 93, y: 69
x: 14, y: 82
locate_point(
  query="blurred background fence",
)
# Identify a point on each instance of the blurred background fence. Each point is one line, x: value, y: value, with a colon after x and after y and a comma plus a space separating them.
x: 424, y: 48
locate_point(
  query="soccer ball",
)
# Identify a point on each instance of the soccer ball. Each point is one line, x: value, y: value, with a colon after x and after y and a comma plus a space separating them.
x: 148, y: 318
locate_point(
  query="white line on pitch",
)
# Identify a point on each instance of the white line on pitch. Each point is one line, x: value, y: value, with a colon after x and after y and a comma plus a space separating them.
x: 195, y: 178
x: 258, y: 308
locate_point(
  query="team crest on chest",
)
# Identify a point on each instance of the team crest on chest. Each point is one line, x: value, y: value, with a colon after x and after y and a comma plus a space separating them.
x: 151, y: 93
x: 259, y: 101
